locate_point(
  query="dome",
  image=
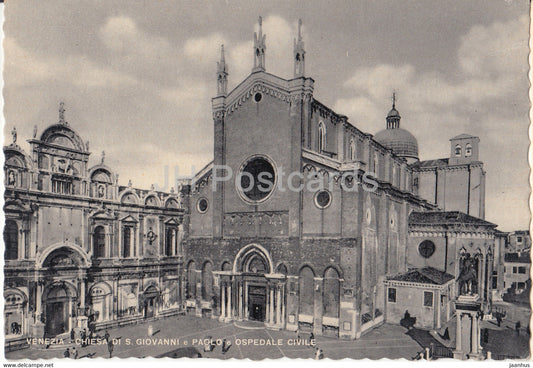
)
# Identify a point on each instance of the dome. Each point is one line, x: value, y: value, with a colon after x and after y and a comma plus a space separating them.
x: 400, y: 141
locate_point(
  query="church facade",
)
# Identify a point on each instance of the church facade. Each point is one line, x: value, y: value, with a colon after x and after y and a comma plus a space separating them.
x: 81, y: 250
x: 312, y: 259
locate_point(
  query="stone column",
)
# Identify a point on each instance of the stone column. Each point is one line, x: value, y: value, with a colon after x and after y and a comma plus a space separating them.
x: 283, y: 306
x: 458, y: 333
x: 223, y: 302
x: 438, y: 308
x: 82, y: 294
x: 240, y: 296
x: 481, y: 279
x: 271, y: 309
x: 38, y: 302
x: 267, y: 313
x: 475, y: 339
x: 228, y: 305
x: 278, y: 305
x: 246, y: 312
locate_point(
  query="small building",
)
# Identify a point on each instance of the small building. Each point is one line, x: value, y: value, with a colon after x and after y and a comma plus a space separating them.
x: 519, y: 241
x: 517, y: 268
x: 448, y: 240
x: 426, y: 294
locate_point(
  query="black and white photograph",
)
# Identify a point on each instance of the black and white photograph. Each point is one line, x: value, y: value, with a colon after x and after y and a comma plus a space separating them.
x: 232, y: 179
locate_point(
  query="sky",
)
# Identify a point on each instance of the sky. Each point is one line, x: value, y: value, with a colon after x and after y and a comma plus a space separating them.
x: 137, y: 78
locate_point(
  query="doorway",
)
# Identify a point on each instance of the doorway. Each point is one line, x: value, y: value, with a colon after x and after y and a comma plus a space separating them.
x: 56, y: 318
x: 149, y: 308
x: 257, y: 303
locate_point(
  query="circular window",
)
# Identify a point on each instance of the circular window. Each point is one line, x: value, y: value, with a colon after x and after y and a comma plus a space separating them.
x: 426, y: 248
x: 348, y: 182
x: 257, y: 179
x: 322, y: 199
x: 258, y: 97
x: 202, y: 205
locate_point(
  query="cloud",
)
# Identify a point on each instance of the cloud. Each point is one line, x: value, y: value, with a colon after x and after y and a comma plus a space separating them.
x: 121, y: 34
x: 485, y: 51
x: 26, y: 68
x: 487, y: 96
x: 203, y: 50
x: 138, y: 52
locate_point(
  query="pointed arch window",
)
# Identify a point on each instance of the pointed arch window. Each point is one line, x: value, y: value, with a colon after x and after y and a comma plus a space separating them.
x: 321, y: 137
x: 458, y: 150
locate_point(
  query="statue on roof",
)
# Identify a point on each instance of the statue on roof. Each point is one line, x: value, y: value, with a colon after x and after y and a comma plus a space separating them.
x: 14, y: 135
x: 62, y: 113
x: 103, y: 158
x: 35, y: 131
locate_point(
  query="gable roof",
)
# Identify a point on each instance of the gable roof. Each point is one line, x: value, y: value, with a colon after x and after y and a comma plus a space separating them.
x: 441, y: 162
x: 426, y: 275
x: 464, y: 136
x: 446, y: 218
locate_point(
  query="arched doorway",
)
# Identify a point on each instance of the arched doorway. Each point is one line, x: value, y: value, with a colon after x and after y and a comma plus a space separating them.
x: 59, y: 301
x: 257, y: 291
x: 101, y: 302
x: 151, y: 295
x: 253, y: 262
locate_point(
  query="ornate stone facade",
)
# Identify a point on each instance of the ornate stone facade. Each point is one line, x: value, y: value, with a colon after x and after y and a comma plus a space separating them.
x: 82, y: 250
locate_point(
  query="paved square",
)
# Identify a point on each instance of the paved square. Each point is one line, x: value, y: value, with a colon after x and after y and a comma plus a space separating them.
x: 387, y: 341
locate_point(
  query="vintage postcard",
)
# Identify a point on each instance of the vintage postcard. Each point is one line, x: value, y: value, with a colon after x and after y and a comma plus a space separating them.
x: 263, y: 180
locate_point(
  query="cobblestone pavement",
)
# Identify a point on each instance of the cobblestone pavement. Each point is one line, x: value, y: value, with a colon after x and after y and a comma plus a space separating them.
x: 387, y: 341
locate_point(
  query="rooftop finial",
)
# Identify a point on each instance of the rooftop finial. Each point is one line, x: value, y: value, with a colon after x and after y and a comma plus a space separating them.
x: 103, y: 157
x: 62, y: 112
x: 222, y: 74
x: 299, y: 53
x: 393, y: 117
x: 14, y: 135
x: 259, y: 48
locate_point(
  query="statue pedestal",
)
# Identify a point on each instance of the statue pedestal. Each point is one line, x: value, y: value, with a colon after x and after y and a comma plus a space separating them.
x: 82, y: 322
x: 467, y: 338
x: 37, y: 329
